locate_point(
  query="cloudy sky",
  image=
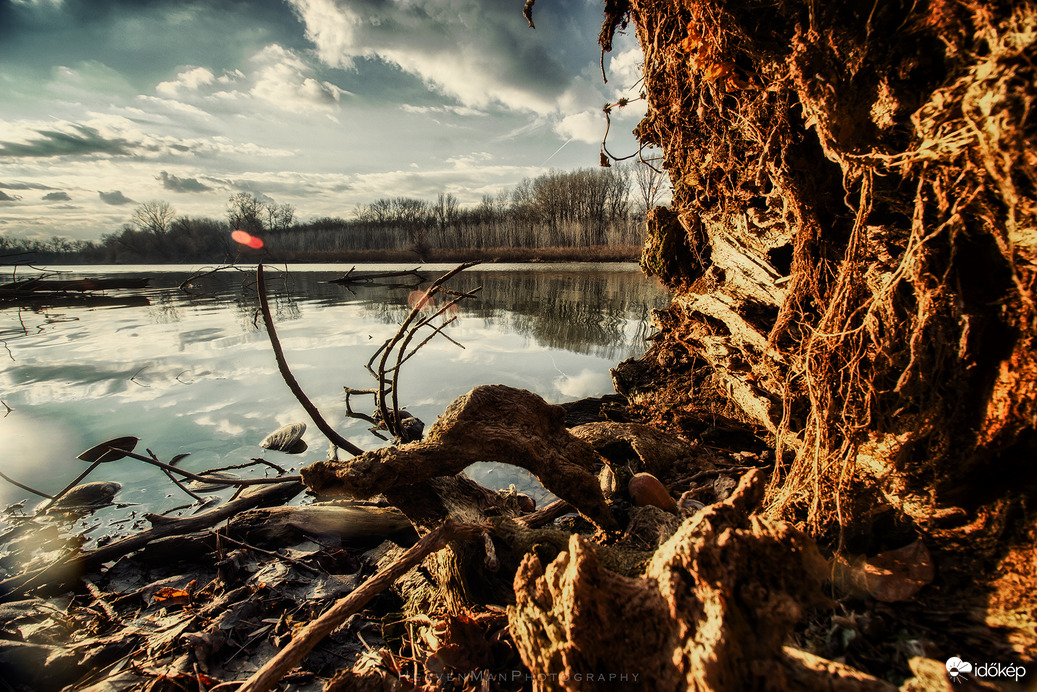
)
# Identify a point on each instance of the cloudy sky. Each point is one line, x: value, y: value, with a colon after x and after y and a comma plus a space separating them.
x: 322, y: 104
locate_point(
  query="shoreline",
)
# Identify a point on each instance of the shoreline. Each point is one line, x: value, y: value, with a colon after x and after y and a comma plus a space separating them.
x: 590, y: 254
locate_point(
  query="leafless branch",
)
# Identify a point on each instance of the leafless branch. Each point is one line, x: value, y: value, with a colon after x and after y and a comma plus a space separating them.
x: 24, y: 487
x: 290, y: 380
x: 312, y: 634
x: 404, y: 334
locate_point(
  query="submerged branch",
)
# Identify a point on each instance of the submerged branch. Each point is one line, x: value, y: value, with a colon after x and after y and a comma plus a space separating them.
x: 290, y: 380
x: 405, y: 333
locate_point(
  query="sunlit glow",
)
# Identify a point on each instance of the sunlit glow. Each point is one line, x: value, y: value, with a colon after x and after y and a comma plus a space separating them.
x: 420, y: 300
x: 246, y: 238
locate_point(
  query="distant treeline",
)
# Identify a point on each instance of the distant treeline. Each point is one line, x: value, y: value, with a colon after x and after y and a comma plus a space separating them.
x: 588, y: 213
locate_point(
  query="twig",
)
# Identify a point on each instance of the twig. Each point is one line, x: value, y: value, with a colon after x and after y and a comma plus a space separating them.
x: 208, y: 479
x: 199, y: 274
x: 269, y: 553
x: 25, y: 487
x: 134, y: 378
x: 354, y: 414
x: 401, y: 334
x: 311, y: 635
x: 608, y: 125
x: 435, y: 331
x: 194, y: 496
x: 547, y: 513
x: 290, y: 380
x: 50, y: 503
x: 255, y: 460
x: 99, y: 600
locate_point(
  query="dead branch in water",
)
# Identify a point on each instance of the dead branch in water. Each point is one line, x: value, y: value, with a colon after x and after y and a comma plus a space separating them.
x: 69, y: 568
x: 290, y: 380
x: 365, y: 277
x: 401, y: 339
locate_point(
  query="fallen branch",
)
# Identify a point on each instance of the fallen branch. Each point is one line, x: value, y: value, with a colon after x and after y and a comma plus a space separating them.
x: 306, y: 639
x: 69, y: 568
x: 490, y: 423
x: 76, y: 284
x: 404, y: 334
x: 363, y: 277
x: 290, y: 380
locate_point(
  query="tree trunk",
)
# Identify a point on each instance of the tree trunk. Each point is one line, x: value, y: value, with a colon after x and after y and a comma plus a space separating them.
x: 852, y: 242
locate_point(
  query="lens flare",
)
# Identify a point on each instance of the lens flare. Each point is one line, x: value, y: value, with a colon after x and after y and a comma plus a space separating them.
x: 418, y: 299
x: 247, y: 239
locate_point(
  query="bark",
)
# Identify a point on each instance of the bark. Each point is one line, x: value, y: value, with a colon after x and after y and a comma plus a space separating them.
x: 490, y: 423
x: 854, y: 187
x: 711, y: 612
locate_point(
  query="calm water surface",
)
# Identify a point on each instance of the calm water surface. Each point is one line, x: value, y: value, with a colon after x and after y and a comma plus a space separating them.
x: 193, y: 372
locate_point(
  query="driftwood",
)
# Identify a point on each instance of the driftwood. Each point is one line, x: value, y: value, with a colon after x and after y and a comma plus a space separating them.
x: 712, y: 611
x: 69, y: 568
x: 76, y: 284
x: 355, y: 277
x: 62, y: 298
x: 289, y: 525
x: 490, y: 423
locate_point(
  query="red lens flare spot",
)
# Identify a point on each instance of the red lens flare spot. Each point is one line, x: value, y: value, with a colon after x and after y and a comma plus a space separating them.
x: 247, y: 239
x: 419, y: 300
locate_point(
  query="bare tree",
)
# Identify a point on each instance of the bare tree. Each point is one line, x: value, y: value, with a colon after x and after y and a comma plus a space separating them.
x: 155, y: 217
x: 245, y: 212
x: 279, y: 216
x: 650, y: 182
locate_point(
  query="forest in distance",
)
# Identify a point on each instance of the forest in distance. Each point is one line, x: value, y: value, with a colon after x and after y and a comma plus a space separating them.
x: 585, y: 214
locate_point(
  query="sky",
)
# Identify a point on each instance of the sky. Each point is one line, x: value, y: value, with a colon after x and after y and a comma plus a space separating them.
x: 321, y: 104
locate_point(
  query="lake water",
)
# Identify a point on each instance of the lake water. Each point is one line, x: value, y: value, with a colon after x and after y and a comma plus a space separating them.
x: 192, y: 371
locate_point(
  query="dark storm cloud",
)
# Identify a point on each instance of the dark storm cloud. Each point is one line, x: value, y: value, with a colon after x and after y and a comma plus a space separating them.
x: 56, y: 197
x: 177, y: 184
x: 8, y: 199
x: 82, y: 142
x: 114, y: 197
x: 141, y: 39
x: 478, y: 51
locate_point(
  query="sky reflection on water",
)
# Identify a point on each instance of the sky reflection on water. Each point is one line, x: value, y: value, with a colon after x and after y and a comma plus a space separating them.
x: 193, y: 372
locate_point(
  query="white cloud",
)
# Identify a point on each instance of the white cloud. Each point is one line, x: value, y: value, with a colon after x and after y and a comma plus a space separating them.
x: 626, y: 66
x: 587, y: 383
x: 455, y: 110
x: 284, y: 79
x: 478, y: 53
x: 188, y: 80
x: 588, y: 126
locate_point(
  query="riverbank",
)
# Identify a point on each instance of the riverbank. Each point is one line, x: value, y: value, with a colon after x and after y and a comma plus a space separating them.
x: 246, y: 255
x: 592, y: 253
